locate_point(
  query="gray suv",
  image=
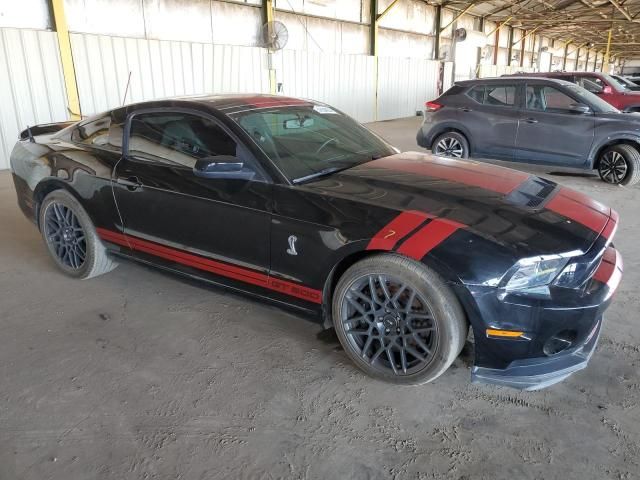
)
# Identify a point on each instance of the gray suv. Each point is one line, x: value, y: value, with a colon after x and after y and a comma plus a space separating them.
x: 534, y: 120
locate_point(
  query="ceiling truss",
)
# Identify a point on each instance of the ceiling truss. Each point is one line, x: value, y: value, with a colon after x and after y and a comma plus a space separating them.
x: 581, y: 22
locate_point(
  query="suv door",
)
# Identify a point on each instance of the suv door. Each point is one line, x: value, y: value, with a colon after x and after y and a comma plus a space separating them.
x: 492, y: 119
x: 207, y: 226
x: 549, y: 132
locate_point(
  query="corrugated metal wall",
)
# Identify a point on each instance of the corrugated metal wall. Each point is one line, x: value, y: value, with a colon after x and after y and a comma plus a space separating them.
x: 31, y: 84
x: 161, y: 69
x: 404, y: 84
x: 345, y: 81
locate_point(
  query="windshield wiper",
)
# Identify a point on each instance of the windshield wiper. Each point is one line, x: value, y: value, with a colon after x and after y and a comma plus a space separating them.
x: 321, y: 173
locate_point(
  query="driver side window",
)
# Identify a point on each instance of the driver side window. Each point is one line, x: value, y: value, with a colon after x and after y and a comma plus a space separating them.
x: 547, y: 99
x: 177, y: 139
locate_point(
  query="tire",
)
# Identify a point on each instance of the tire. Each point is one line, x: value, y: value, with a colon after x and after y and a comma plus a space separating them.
x: 451, y: 144
x: 619, y: 165
x: 71, y: 238
x: 374, y: 337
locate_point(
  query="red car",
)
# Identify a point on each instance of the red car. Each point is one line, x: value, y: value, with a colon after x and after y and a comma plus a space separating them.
x: 603, y: 85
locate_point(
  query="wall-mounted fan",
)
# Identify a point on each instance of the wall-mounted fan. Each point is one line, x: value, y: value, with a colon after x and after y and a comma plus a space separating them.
x: 274, y: 35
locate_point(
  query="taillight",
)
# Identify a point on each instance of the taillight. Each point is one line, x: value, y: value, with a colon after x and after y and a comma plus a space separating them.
x: 432, y: 106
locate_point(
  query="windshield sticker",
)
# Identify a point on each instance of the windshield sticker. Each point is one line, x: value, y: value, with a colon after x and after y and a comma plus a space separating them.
x: 322, y: 109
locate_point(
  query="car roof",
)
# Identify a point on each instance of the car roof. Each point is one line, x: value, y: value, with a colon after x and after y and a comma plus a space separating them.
x: 226, y: 103
x: 556, y: 74
x: 516, y: 78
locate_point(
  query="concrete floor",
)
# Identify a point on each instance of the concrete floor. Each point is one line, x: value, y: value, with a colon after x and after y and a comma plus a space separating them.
x: 137, y: 374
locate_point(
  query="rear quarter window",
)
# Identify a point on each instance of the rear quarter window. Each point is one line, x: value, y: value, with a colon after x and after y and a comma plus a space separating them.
x: 455, y: 90
x: 494, y: 95
x: 98, y: 133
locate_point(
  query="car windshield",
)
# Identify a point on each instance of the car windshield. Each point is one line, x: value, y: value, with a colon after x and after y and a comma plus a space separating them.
x: 627, y: 84
x: 592, y: 99
x: 309, y: 141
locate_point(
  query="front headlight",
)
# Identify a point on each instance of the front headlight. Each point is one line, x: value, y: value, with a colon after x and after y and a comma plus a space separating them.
x: 532, y: 273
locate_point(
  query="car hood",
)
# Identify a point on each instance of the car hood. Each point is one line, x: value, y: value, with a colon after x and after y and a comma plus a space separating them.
x: 525, y: 213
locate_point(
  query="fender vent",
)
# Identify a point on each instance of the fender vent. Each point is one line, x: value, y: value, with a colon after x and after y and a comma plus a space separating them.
x: 532, y: 193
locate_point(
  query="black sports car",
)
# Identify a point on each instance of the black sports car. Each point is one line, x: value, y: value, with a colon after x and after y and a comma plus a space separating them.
x: 292, y: 201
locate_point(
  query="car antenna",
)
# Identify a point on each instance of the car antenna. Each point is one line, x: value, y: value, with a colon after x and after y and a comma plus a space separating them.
x: 31, y: 139
x: 126, y: 90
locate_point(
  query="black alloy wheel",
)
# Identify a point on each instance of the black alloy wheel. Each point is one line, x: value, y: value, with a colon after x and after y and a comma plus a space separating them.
x: 65, y: 236
x: 397, y: 319
x: 389, y: 324
x: 71, y: 238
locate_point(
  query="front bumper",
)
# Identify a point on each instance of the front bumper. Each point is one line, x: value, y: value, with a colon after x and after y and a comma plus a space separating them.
x: 541, y: 372
x: 529, y: 362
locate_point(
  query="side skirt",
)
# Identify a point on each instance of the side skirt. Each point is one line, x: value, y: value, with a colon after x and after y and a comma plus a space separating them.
x: 310, y: 312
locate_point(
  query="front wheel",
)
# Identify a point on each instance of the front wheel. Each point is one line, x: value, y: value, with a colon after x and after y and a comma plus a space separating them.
x: 620, y: 165
x: 397, y: 319
x: 451, y: 144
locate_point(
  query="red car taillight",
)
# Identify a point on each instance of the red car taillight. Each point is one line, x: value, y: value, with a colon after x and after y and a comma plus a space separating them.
x: 432, y: 106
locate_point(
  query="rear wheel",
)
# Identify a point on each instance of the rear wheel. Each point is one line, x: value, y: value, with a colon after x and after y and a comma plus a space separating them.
x: 620, y: 165
x: 397, y: 320
x: 451, y: 144
x: 71, y: 238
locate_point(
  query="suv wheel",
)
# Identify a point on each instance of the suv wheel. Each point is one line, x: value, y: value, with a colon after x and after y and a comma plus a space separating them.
x: 620, y: 165
x: 451, y: 144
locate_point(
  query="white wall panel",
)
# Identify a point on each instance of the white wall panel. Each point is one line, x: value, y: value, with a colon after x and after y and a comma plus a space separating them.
x: 31, y: 84
x: 447, y: 77
x: 498, y: 70
x: 106, y: 17
x: 25, y: 14
x: 408, y: 15
x: 404, y: 85
x: 161, y: 69
x: 393, y: 43
x: 344, y: 81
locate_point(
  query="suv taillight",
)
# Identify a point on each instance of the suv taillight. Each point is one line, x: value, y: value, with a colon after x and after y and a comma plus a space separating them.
x: 432, y: 106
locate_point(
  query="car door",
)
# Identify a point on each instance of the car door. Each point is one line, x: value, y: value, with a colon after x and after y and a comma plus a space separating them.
x: 492, y: 119
x: 211, y: 227
x: 549, y: 131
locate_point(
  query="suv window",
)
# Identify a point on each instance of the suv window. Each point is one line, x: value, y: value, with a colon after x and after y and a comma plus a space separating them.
x: 96, y: 133
x: 495, y: 95
x: 177, y: 138
x: 547, y: 99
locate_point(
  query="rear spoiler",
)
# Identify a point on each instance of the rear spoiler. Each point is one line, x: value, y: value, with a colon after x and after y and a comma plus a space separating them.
x: 43, y: 129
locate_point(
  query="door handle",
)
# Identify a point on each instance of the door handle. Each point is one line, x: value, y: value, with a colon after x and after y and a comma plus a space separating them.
x: 531, y: 120
x: 465, y: 109
x: 132, y: 183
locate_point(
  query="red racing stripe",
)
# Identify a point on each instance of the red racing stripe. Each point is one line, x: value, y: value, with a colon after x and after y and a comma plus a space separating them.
x: 580, y: 208
x: 428, y: 237
x: 397, y: 229
x: 611, y: 226
x: 219, y: 268
x: 610, y: 270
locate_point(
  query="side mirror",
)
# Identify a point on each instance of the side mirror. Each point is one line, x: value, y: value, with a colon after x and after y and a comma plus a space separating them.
x: 607, y: 90
x: 580, y: 108
x: 218, y: 166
